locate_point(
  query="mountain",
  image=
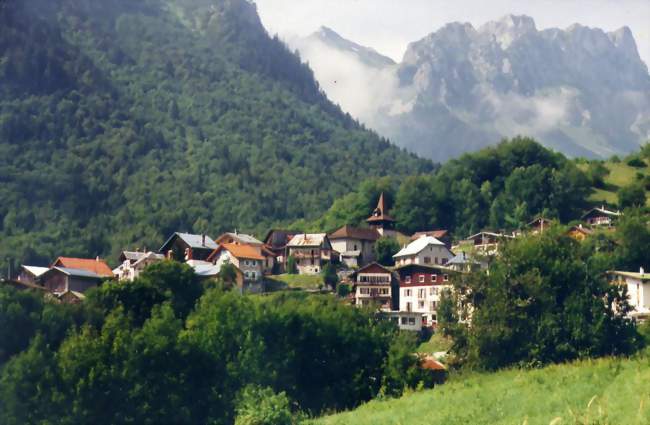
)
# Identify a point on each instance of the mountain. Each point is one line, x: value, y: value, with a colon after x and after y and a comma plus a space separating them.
x: 581, y: 91
x: 123, y: 121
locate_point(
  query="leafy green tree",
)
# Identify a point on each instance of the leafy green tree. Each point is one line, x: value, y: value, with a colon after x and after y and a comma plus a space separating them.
x: 228, y: 274
x: 631, y: 196
x: 633, y: 237
x: 596, y: 172
x: 385, y: 247
x: 330, y: 278
x: 262, y: 406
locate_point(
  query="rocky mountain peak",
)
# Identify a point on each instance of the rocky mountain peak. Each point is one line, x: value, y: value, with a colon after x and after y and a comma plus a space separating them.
x: 509, y: 29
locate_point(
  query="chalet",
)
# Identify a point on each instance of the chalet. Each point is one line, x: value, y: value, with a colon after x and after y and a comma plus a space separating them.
x: 60, y: 280
x: 246, y: 259
x: 539, y: 225
x: 425, y: 250
x: 244, y: 239
x: 133, y: 263
x: 96, y: 266
x: 311, y: 252
x: 185, y: 246
x: 31, y: 274
x: 601, y: 217
x: 638, y: 291
x: 373, y: 285
x: 466, y: 263
x: 276, y: 242
x: 380, y: 220
x: 579, y: 232
x: 355, y: 244
x: 442, y: 235
x: 204, y: 270
x: 485, y: 243
x: 71, y: 297
x: 420, y: 289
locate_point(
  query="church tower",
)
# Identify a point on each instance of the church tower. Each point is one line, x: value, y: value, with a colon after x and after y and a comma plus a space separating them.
x: 380, y: 220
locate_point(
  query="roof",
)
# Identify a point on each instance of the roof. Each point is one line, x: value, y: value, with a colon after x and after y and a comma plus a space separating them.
x: 438, y: 234
x: 204, y: 268
x: 380, y: 213
x: 308, y: 239
x: 496, y: 235
x: 640, y: 276
x: 193, y: 241
x: 602, y: 210
x: 78, y: 272
x: 581, y: 229
x: 430, y: 267
x: 360, y: 233
x: 428, y: 362
x: 278, y: 238
x: 239, y: 251
x: 539, y: 220
x: 241, y: 237
x: 417, y: 246
x: 34, y: 270
x: 96, y: 266
x: 375, y: 266
x: 462, y: 258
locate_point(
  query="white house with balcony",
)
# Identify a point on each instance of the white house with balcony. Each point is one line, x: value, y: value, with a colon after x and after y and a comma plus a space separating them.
x: 373, y: 287
x: 425, y: 250
x: 638, y: 291
x: 421, y: 288
x: 311, y: 251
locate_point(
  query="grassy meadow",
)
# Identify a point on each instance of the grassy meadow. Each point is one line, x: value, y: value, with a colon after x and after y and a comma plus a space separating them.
x: 294, y: 281
x: 620, y: 174
x: 603, y: 391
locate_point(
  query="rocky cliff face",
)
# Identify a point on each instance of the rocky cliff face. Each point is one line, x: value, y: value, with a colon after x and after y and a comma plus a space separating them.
x: 580, y: 90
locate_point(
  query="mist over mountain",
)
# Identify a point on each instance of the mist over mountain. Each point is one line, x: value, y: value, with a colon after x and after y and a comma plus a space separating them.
x: 580, y: 90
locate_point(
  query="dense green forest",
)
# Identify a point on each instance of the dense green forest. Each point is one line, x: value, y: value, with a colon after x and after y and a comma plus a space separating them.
x: 500, y: 188
x: 123, y: 121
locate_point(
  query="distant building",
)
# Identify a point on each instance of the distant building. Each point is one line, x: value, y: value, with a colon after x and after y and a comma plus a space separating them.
x: 60, y: 280
x: 420, y: 290
x: 539, y: 225
x: 406, y: 321
x: 31, y: 274
x: 355, y: 245
x: 373, y: 285
x: 311, y: 252
x: 246, y: 259
x: 185, y: 246
x: 96, y: 266
x: 638, y: 291
x: 133, y: 263
x: 579, y: 232
x: 239, y: 239
x: 425, y: 250
x: 442, y: 235
x: 484, y: 243
x: 380, y: 220
x: 276, y: 242
x: 466, y: 263
x: 601, y: 217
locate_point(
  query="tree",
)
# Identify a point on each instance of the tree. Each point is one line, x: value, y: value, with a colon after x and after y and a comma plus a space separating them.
x: 330, y: 278
x: 631, y: 196
x: 228, y: 274
x: 385, y: 247
x: 633, y: 236
x: 262, y: 406
x: 292, y: 268
x: 596, y: 172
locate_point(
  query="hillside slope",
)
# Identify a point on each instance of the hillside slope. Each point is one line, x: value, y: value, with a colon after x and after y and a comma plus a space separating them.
x: 123, y: 121
x: 605, y: 391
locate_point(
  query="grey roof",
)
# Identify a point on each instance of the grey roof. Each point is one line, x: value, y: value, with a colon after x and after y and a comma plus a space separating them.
x: 244, y: 238
x: 462, y: 258
x: 193, y: 241
x: 78, y: 272
x: 204, y: 268
x: 418, y: 245
x: 307, y: 239
x: 36, y: 271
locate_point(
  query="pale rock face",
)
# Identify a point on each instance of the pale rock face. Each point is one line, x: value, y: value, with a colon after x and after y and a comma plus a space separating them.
x: 580, y: 90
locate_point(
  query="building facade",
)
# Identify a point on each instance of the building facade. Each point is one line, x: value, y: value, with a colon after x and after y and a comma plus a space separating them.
x: 355, y: 245
x: 421, y: 288
x: 638, y: 291
x: 311, y: 251
x: 373, y: 286
x: 425, y: 250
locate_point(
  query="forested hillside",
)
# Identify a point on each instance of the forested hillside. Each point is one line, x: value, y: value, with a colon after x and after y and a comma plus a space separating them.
x: 122, y: 121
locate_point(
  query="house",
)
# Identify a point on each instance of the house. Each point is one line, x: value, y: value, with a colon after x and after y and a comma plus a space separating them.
x: 485, y: 243
x: 239, y: 239
x: 373, y: 285
x: 133, y: 263
x: 204, y: 269
x: 638, y: 291
x: 601, y: 217
x: 420, y: 289
x: 311, y: 252
x: 406, y: 321
x: 246, y: 259
x: 60, y: 280
x: 539, y: 225
x: 424, y: 250
x: 96, y: 266
x: 31, y: 274
x: 442, y: 235
x: 185, y: 246
x: 466, y: 263
x: 380, y: 220
x: 276, y: 242
x: 355, y: 244
x: 579, y: 232
x: 71, y: 297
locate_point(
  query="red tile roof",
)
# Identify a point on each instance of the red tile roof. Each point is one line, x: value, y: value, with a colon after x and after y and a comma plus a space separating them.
x: 438, y: 234
x: 248, y: 252
x: 96, y: 266
x: 355, y: 233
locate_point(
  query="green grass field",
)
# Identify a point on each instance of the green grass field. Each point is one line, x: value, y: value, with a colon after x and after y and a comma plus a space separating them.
x: 436, y: 343
x: 604, y: 391
x: 620, y: 174
x: 294, y: 281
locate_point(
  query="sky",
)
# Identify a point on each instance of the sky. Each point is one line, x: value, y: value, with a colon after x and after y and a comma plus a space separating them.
x: 389, y: 25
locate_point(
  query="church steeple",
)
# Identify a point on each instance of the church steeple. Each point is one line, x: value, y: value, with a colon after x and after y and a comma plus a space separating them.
x: 380, y: 219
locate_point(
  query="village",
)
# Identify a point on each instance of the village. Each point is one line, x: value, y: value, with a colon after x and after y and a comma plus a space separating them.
x: 407, y: 292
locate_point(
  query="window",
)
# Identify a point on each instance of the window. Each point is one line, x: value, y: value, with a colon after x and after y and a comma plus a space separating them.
x: 355, y: 247
x: 407, y: 292
x: 364, y: 291
x: 412, y: 321
x: 420, y: 304
x: 433, y: 305
x: 444, y: 260
x: 407, y: 279
x: 422, y: 293
x: 404, y: 321
x: 436, y: 260
x: 409, y: 307
x: 312, y: 261
x: 434, y: 277
x: 421, y: 278
x: 427, y: 260
x: 446, y: 278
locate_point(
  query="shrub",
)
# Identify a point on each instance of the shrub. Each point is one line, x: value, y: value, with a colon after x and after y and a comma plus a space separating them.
x: 632, y: 195
x: 636, y: 162
x: 292, y: 268
x: 262, y: 406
